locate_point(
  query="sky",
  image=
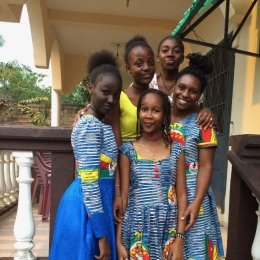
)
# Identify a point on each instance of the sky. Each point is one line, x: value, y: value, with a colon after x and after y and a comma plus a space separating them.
x: 18, y: 45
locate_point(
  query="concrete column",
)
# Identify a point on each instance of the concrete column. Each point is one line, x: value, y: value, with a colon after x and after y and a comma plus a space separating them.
x: 55, y: 108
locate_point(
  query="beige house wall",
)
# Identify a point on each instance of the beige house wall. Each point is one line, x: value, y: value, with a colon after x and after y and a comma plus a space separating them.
x: 245, y: 113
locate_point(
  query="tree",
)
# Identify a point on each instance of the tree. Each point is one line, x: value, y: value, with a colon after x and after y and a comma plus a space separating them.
x: 19, y: 82
x: 79, y: 96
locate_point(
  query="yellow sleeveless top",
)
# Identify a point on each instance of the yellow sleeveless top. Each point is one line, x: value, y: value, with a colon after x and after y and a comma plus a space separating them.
x: 128, y: 118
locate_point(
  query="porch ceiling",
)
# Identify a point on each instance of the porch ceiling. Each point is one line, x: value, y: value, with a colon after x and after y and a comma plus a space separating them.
x: 85, y: 26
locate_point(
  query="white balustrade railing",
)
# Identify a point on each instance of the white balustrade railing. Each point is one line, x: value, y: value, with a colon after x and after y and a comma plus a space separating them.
x: 24, y: 227
x: 8, y: 183
x: 3, y: 205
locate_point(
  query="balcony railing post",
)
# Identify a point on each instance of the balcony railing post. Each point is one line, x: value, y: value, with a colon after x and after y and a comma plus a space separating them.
x: 2, y: 182
x: 24, y: 227
x: 14, y: 190
x: 256, y: 244
x: 8, y: 199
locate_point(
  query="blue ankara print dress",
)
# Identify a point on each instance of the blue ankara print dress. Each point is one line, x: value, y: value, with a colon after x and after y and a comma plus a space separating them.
x: 203, y: 240
x: 85, y: 212
x: 150, y: 221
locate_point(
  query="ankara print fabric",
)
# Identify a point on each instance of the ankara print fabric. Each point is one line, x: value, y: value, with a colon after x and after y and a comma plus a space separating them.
x: 203, y: 240
x: 150, y: 221
x: 85, y: 213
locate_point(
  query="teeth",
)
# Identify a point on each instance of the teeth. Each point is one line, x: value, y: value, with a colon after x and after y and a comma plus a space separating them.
x: 182, y: 101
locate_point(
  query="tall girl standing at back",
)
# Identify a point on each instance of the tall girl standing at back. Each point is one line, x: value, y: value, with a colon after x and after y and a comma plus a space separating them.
x: 150, y: 168
x: 84, y: 226
x: 203, y: 239
x: 170, y: 55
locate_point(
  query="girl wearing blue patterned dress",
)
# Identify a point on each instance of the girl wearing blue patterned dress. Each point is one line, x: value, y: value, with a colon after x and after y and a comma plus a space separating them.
x: 84, y: 228
x: 151, y: 168
x: 203, y: 237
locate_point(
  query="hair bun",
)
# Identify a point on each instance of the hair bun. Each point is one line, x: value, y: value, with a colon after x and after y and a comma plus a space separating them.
x: 201, y: 62
x: 101, y: 58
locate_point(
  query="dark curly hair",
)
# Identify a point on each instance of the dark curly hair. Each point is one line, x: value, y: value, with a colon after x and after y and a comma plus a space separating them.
x: 103, y: 62
x: 199, y: 66
x: 137, y: 40
x: 165, y: 130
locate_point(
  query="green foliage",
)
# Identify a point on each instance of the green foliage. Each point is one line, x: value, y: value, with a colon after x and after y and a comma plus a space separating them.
x: 36, y: 117
x: 79, y: 96
x: 19, y: 82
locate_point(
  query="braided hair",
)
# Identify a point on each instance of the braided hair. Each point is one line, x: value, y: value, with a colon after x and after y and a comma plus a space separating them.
x: 165, y: 129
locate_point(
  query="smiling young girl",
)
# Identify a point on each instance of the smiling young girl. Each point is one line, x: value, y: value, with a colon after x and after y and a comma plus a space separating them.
x: 84, y: 226
x: 203, y: 237
x: 150, y: 167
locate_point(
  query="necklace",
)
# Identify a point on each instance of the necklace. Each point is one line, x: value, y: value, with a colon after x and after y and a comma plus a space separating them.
x: 164, y: 85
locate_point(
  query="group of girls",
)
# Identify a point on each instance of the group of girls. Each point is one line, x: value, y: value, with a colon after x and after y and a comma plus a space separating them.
x: 164, y: 207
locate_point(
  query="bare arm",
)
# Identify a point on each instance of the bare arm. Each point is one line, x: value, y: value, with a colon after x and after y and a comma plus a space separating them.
x: 176, y: 251
x: 181, y: 192
x: 113, y: 119
x: 124, y: 167
x: 206, y: 156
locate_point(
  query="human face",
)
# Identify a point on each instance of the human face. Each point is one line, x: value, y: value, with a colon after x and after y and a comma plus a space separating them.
x: 105, y: 94
x: 186, y: 93
x: 151, y: 113
x: 141, y: 65
x: 170, y: 54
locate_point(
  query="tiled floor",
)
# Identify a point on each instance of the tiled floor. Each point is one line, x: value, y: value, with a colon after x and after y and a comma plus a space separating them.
x: 7, y: 239
x: 41, y: 238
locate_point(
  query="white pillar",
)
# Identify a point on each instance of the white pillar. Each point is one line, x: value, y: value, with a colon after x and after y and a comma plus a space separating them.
x: 14, y: 190
x: 24, y: 226
x: 255, y: 251
x: 2, y: 181
x: 55, y: 108
x: 8, y: 183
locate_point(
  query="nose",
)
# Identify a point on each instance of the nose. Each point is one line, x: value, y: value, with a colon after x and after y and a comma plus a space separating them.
x: 146, y: 66
x: 185, y: 93
x: 148, y: 114
x: 110, y: 99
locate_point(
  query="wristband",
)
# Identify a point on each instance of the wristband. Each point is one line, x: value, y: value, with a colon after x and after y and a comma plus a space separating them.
x: 182, y: 236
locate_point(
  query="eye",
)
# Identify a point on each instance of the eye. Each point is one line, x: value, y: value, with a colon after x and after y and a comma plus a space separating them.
x: 143, y: 109
x: 194, y: 92
x: 180, y: 86
x: 105, y: 92
x: 117, y: 96
x: 164, y: 50
x: 151, y: 63
x: 139, y: 64
x: 156, y: 110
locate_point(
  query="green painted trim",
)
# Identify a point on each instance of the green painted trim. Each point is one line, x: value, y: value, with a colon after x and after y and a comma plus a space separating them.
x: 196, y: 7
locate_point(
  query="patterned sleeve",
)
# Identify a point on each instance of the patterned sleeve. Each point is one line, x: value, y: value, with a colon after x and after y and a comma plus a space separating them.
x: 87, y: 138
x: 127, y: 149
x: 207, y: 138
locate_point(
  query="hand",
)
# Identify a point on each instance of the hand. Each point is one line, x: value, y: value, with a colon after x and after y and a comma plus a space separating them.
x: 206, y: 119
x: 192, y: 212
x: 118, y: 209
x: 79, y: 114
x: 104, y: 249
x: 176, y: 250
x: 121, y: 252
